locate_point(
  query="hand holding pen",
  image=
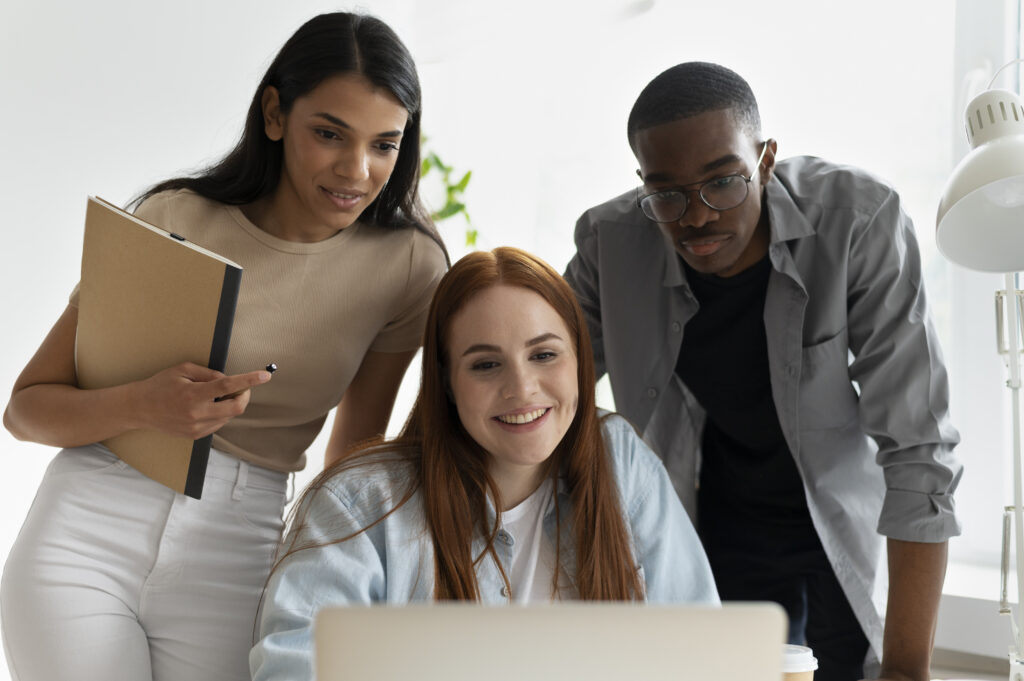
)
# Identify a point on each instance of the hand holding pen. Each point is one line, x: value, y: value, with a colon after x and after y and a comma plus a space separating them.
x: 194, y: 401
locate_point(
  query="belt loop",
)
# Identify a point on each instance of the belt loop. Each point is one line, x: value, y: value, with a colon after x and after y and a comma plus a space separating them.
x: 291, y: 489
x: 243, y: 475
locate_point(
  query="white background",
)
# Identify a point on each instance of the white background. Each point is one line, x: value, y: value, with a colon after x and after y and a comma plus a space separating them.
x: 108, y: 97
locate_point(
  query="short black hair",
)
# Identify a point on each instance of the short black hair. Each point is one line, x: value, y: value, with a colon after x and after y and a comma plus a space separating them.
x: 690, y: 89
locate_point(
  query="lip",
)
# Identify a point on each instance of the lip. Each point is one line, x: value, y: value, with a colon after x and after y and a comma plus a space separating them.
x: 525, y: 427
x: 350, y: 200
x: 705, y: 246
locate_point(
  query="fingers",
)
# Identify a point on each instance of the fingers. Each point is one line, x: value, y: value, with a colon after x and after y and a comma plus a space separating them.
x: 183, y: 400
x: 197, y: 373
x: 230, y: 387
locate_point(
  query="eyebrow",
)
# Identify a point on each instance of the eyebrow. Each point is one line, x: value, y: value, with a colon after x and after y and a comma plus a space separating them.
x: 483, y: 347
x: 342, y: 124
x: 709, y: 167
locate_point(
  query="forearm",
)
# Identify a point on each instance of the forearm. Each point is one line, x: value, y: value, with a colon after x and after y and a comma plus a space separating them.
x: 349, y: 430
x: 63, y: 415
x: 916, y: 573
x: 365, y: 409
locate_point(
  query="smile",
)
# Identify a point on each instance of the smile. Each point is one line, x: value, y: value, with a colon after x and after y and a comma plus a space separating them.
x: 520, y: 419
x: 342, y: 196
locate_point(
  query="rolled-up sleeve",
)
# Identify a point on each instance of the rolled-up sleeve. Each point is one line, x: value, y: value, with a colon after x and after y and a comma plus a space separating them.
x: 904, y: 389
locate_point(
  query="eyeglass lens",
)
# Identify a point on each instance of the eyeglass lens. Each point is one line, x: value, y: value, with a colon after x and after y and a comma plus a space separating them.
x: 719, y: 194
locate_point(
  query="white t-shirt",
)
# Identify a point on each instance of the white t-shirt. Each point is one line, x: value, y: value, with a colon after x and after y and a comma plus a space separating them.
x: 533, y: 554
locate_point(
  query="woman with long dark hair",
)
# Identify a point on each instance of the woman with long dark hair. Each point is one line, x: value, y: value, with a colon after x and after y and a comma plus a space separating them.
x: 505, y: 485
x: 117, y: 577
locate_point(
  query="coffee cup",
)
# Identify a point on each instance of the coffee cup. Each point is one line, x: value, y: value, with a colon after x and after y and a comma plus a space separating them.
x: 798, y: 663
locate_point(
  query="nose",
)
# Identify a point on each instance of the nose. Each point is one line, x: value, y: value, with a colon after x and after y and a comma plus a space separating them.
x: 520, y: 382
x: 353, y: 164
x: 697, y: 213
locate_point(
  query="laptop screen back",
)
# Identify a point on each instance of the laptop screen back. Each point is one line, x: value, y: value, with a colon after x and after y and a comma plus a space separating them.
x: 595, y: 642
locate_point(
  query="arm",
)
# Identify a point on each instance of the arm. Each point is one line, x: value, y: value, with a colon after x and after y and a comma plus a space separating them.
x: 48, y: 407
x: 349, y: 572
x: 675, y: 567
x: 584, y: 277
x: 916, y: 573
x: 904, y: 407
x: 366, y: 407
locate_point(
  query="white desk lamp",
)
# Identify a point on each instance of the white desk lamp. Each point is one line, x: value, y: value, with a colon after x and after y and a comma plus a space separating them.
x: 981, y: 227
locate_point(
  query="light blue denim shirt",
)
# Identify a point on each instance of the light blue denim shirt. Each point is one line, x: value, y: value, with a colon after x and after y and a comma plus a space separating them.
x: 393, y: 561
x: 856, y: 371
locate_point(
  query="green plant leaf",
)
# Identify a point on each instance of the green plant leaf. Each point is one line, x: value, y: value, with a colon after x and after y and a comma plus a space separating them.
x: 471, y: 235
x: 461, y: 186
x: 451, y: 209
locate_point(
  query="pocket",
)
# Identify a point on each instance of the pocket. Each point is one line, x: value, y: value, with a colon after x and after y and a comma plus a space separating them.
x: 262, y: 511
x: 87, y: 460
x: 827, y: 396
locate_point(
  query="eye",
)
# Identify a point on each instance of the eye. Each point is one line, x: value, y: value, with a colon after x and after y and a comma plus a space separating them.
x: 387, y: 147
x: 326, y: 134
x: 483, y: 365
x: 724, y: 182
x: 544, y: 356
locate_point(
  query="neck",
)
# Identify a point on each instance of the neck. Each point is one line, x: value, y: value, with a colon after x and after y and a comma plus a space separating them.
x: 517, y: 483
x: 267, y: 214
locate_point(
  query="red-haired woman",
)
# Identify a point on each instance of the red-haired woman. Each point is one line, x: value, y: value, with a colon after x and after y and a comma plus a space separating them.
x: 505, y: 485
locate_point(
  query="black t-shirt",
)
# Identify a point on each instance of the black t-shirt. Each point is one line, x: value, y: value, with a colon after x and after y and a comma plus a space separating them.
x: 747, y: 469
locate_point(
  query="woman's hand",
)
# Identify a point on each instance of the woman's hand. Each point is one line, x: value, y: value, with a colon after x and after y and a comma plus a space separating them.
x: 192, y: 401
x: 48, y: 407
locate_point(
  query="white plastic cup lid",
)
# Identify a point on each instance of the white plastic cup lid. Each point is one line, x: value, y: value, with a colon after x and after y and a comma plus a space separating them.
x: 798, y: 659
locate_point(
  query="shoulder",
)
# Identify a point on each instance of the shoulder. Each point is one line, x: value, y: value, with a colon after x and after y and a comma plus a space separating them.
x: 619, y: 211
x: 813, y: 182
x: 634, y: 464
x: 176, y: 209
x: 410, y: 249
x: 369, y: 484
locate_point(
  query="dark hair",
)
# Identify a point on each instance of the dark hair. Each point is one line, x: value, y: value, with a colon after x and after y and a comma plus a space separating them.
x: 693, y: 88
x: 325, y: 46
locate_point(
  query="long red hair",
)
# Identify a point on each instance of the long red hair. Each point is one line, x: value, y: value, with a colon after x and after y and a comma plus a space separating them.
x: 452, y: 468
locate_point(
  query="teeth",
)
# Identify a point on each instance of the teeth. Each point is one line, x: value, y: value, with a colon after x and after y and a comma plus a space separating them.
x: 519, y: 419
x: 343, y: 196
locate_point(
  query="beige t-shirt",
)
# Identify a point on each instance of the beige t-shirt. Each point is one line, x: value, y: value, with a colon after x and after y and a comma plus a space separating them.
x: 314, y: 309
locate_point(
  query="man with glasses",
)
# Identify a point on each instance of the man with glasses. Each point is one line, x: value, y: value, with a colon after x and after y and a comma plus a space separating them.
x: 764, y: 325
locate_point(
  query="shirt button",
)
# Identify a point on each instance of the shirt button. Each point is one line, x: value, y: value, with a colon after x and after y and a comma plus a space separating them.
x: 676, y: 327
x: 506, y: 538
x: 792, y: 370
x: 652, y: 393
x: 504, y: 591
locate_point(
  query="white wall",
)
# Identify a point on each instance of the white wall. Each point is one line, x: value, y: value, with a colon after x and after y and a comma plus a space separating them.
x: 109, y: 96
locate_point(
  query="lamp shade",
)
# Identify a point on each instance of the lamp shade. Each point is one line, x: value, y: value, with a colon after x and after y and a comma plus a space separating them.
x: 981, y: 213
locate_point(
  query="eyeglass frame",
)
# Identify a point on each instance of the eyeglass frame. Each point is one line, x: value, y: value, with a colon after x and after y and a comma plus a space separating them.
x: 699, y: 189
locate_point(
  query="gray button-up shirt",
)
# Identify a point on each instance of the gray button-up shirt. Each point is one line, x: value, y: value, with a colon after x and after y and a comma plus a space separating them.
x: 856, y: 371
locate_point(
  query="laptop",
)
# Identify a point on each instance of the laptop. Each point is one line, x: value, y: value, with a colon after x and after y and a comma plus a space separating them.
x: 556, y: 642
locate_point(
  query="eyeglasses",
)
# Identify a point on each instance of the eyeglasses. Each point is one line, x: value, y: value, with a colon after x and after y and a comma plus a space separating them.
x: 721, y: 193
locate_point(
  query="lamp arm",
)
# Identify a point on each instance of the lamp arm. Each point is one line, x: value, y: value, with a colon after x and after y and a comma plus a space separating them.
x: 1013, y: 346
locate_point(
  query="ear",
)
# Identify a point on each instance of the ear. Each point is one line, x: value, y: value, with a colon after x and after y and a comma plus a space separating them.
x: 273, y: 119
x: 768, y: 162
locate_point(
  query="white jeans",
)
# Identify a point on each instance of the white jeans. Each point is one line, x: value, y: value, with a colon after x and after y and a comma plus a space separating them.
x: 114, y: 576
